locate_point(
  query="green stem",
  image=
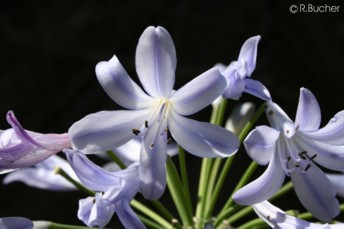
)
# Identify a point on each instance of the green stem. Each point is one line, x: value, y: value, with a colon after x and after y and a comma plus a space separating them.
x: 227, y: 213
x: 208, y: 172
x: 79, y: 186
x: 151, y: 214
x: 116, y: 159
x: 176, y: 189
x: 185, y: 180
x: 256, y: 223
x: 283, y: 190
x: 203, y: 186
x: 229, y: 160
x: 51, y: 225
x: 244, y: 179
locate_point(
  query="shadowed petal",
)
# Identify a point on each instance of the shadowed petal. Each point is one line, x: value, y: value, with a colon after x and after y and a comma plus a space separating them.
x: 239, y: 117
x: 316, y: 193
x: 156, y: 61
x: 260, y: 144
x: 43, y: 175
x: 119, y: 86
x: 263, y: 187
x: 256, y: 88
x: 90, y: 174
x: 15, y: 222
x: 202, y: 138
x: 199, y: 93
x: 308, y: 115
x: 153, y: 163
x: 248, y: 54
x: 332, y: 133
x: 105, y: 130
x: 127, y: 216
x: 338, y: 183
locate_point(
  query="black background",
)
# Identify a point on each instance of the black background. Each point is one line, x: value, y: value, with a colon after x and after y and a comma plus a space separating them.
x: 48, y: 51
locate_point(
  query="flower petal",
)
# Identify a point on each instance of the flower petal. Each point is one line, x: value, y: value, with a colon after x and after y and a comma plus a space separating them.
x: 332, y: 133
x: 119, y: 86
x: 94, y: 211
x: 15, y: 222
x: 248, y: 54
x: 329, y: 156
x: 337, y: 181
x: 156, y: 61
x: 127, y: 216
x: 260, y: 144
x: 256, y: 88
x: 236, y: 85
x: 199, y: 93
x: 43, y: 175
x: 202, y: 138
x: 105, y: 130
x: 90, y: 174
x: 153, y: 163
x: 308, y: 115
x: 276, y: 218
x: 263, y: 187
x: 316, y: 193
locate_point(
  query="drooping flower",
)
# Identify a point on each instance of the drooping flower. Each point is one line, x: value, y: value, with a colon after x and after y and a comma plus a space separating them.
x: 43, y: 175
x: 115, y: 191
x: 155, y: 113
x: 21, y: 148
x: 295, y: 150
x: 15, y: 222
x: 276, y: 218
x: 238, y: 73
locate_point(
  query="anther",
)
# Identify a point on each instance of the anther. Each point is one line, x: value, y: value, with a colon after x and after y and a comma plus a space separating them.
x: 303, y: 155
x: 271, y: 113
x: 146, y: 124
x: 297, y: 127
x: 169, y: 140
x: 312, y: 157
x: 136, y: 131
x: 307, y: 167
x: 151, y: 146
x: 94, y: 201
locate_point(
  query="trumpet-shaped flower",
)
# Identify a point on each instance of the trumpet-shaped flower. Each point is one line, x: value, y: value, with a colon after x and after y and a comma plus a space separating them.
x: 295, y: 150
x: 276, y: 218
x: 115, y: 190
x: 21, y: 148
x: 43, y: 175
x: 238, y: 73
x: 155, y: 113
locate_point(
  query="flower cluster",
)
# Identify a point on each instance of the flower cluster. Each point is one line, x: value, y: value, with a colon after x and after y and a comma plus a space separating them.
x: 153, y: 127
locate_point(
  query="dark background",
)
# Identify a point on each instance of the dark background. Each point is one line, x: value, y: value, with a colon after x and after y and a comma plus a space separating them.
x: 48, y: 51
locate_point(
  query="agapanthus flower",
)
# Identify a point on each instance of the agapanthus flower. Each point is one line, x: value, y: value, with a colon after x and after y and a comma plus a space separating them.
x: 115, y: 191
x: 296, y: 149
x: 276, y: 218
x: 43, y: 175
x: 156, y: 113
x: 338, y: 182
x: 21, y: 148
x: 238, y: 73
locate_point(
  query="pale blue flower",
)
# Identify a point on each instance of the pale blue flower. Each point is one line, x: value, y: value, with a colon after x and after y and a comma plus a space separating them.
x: 338, y: 182
x: 115, y: 191
x: 238, y: 73
x: 21, y: 148
x: 295, y: 150
x: 154, y: 113
x: 15, y: 222
x: 43, y: 175
x: 276, y: 218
